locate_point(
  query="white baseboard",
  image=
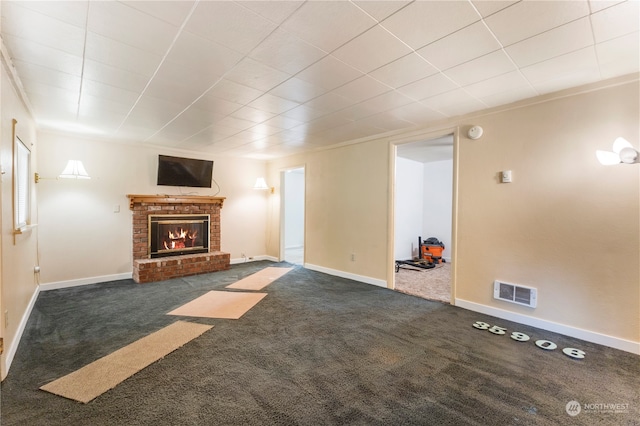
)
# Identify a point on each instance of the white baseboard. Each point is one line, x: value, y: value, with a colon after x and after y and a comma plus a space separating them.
x: 84, y: 281
x: 578, y: 333
x: 348, y: 275
x: 253, y: 259
x: 13, y: 347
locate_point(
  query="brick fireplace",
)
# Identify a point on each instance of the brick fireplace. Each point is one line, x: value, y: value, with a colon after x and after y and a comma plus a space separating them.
x: 180, y: 261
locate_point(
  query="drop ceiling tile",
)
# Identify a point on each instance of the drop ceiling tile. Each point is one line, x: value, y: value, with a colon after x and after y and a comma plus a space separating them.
x: 256, y: 75
x: 455, y: 102
x: 427, y: 87
x: 114, y: 76
x: 424, y: 22
x: 619, y: 56
x: 297, y: 90
x: 117, y: 21
x: 405, y: 70
x: 416, y: 113
x: 37, y: 54
x: 215, y: 105
x: 380, y: 10
x: 173, y: 12
x: 234, y: 92
x: 47, y: 76
x: 509, y: 96
x: 564, y: 39
x: 558, y: 66
x: 329, y: 73
x: 329, y: 102
x: 385, y: 121
x: 42, y: 29
x: 616, y: 21
x: 275, y: 11
x: 282, y: 122
x: 597, y: 5
x: 71, y: 12
x: 274, y: 104
x: 514, y: 23
x: 304, y: 113
x: 180, y: 91
x: 567, y: 80
x: 489, y: 7
x: 326, y: 122
x: 121, y: 55
x: 502, y: 83
x: 229, y: 24
x: 284, y: 51
x: 156, y: 112
x: 235, y: 123
x: 328, y: 25
x: 54, y: 93
x: 108, y: 92
x: 252, y: 114
x: 201, y: 57
x: 371, y: 50
x: 464, y: 45
x: 482, y: 68
x: 362, y: 88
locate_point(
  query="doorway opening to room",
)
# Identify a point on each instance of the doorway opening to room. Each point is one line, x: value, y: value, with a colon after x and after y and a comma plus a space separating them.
x: 423, y: 216
x: 292, y: 230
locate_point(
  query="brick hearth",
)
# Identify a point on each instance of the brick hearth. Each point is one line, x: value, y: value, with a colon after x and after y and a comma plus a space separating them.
x: 147, y: 270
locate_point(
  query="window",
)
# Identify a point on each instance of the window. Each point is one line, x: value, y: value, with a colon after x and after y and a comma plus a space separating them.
x: 22, y: 192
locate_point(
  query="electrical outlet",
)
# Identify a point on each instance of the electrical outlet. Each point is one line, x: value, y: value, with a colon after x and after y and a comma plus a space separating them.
x: 353, y: 257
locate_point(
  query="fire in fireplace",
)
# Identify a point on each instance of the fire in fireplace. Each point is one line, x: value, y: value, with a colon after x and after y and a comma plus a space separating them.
x: 174, y: 235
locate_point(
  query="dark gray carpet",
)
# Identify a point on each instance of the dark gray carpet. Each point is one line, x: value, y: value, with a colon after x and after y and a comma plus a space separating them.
x: 318, y: 350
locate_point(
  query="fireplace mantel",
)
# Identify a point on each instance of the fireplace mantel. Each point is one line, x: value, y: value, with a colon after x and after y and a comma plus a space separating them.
x: 174, y: 199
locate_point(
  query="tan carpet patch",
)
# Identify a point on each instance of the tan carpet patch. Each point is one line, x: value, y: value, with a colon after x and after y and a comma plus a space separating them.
x: 219, y: 304
x: 94, y: 379
x: 260, y: 279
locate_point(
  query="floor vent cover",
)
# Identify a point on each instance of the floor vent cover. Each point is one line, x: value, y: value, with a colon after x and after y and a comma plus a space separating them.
x: 513, y: 293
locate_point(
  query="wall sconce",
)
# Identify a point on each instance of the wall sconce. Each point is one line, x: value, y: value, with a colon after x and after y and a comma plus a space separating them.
x: 262, y: 185
x: 74, y: 170
x: 623, y: 152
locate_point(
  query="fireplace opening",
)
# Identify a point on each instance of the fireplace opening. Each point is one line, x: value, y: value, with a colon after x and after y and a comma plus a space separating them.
x: 174, y: 235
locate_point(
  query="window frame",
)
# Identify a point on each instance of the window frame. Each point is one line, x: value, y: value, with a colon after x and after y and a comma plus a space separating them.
x: 21, y: 183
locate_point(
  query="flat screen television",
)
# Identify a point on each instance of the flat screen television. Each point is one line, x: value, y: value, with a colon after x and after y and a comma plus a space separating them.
x: 178, y: 171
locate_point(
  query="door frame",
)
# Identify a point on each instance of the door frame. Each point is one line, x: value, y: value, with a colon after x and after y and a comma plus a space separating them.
x: 281, y: 248
x: 393, y: 152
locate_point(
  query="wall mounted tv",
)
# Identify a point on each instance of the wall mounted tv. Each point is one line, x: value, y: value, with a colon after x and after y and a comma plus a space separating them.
x: 178, y: 171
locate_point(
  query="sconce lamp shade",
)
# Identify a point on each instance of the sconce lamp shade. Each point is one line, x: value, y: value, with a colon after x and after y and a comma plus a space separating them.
x: 74, y: 170
x: 260, y: 184
x: 623, y: 152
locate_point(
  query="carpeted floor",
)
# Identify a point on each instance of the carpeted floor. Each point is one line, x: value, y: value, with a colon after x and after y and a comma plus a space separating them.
x: 431, y: 284
x: 318, y: 350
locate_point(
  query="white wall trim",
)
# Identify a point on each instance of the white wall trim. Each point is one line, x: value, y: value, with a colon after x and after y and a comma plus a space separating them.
x: 253, y: 259
x: 348, y: 275
x: 11, y: 351
x: 84, y: 281
x: 589, y: 336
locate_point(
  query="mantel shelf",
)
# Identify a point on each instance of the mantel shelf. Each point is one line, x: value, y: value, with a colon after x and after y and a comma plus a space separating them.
x: 174, y: 199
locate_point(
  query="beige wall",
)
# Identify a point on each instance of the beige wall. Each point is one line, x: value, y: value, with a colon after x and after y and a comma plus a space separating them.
x: 80, y: 235
x: 566, y: 225
x: 18, y: 256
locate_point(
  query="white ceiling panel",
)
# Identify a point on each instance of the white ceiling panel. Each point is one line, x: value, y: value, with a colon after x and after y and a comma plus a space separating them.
x: 529, y: 17
x: 405, y: 70
x: 285, y: 52
x: 229, y: 24
x: 424, y: 22
x: 328, y: 24
x: 564, y: 39
x: 464, y: 45
x: 371, y: 50
x: 616, y: 21
x: 43, y: 29
x: 267, y: 78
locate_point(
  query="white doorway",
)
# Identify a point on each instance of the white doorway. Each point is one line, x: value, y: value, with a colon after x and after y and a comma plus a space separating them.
x: 424, y: 208
x: 292, y: 230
